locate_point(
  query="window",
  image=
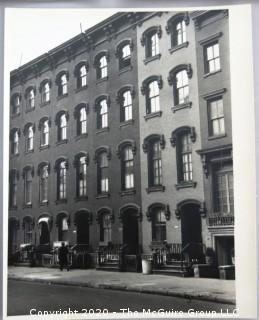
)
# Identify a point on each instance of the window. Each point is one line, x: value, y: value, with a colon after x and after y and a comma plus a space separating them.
x: 62, y: 83
x: 14, y: 141
x: 126, y: 106
x: 127, y: 169
x: 44, y: 176
x: 30, y: 99
x: 125, y: 57
x: 82, y: 177
x: 27, y: 225
x: 45, y: 133
x: 105, y: 228
x: 150, y: 39
x: 62, y: 127
x: 224, y: 195
x: 180, y: 33
x: 182, y: 88
x: 28, y: 186
x: 212, y: 57
x: 155, y: 164
x: 153, y: 104
x: 81, y: 76
x: 176, y: 27
x: 216, y: 117
x: 13, y: 181
x: 185, y: 158
x: 29, y: 137
x: 45, y: 93
x: 102, y: 173
x: 102, y: 114
x: 158, y: 225
x: 62, y: 181
x: 82, y: 121
x: 16, y: 104
x: 102, y: 67
x: 63, y: 229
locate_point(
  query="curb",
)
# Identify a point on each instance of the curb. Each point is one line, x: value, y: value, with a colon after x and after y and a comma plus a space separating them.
x: 119, y: 287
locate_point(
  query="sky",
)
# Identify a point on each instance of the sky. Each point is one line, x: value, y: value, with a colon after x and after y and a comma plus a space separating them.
x: 32, y: 32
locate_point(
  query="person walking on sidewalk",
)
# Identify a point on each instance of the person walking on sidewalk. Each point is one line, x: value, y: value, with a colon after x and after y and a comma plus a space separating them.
x: 63, y: 256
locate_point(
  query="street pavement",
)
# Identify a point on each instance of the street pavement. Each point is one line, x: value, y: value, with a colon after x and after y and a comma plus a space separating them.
x: 216, y: 290
x: 33, y: 298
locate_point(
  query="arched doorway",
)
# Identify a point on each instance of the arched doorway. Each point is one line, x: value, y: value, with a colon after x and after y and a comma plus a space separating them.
x: 62, y: 223
x: 44, y: 227
x: 130, y: 217
x: 191, y: 229
x: 82, y: 227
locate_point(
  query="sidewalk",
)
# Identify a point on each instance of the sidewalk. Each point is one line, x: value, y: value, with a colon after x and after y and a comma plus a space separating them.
x: 222, y: 291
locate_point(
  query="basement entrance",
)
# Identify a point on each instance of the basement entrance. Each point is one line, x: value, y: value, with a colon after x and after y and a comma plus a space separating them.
x: 130, y: 231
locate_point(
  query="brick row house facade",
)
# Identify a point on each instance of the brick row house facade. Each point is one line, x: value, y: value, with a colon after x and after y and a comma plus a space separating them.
x: 120, y: 144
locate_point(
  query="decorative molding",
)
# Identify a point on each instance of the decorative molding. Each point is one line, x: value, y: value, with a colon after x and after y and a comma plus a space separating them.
x: 211, y: 38
x: 152, y: 207
x: 126, y: 143
x: 156, y: 29
x: 146, y: 82
x: 101, y: 149
x: 180, y: 131
x: 214, y: 94
x: 150, y: 139
x: 130, y: 206
x: 172, y: 74
x: 174, y: 19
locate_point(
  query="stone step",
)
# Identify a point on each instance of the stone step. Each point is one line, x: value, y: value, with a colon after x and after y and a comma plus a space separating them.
x: 172, y: 272
x: 108, y: 268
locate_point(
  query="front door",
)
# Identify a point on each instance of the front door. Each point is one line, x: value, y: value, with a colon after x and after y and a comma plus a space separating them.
x: 82, y: 229
x: 44, y: 233
x: 130, y: 232
x: 225, y: 250
x: 191, y: 231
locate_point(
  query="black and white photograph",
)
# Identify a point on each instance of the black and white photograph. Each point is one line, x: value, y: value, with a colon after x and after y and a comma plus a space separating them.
x: 121, y: 163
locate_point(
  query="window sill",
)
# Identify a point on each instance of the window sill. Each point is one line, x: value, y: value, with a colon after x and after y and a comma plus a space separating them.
x: 220, y: 136
x: 15, y: 115
x: 13, y: 207
x: 125, y: 69
x: 101, y: 80
x: 81, y: 198
x: 187, y: 184
x: 47, y: 146
x: 28, y: 206
x: 103, y: 130
x: 103, y: 195
x: 126, y: 123
x: 60, y: 201
x: 29, y: 151
x: 155, y: 189
x: 44, y: 104
x: 81, y: 136
x: 149, y: 59
x: 128, y: 192
x: 181, y: 106
x: 153, y: 115
x: 81, y: 88
x: 44, y: 204
x: 206, y: 75
x: 178, y: 47
x: 29, y: 110
x: 62, y: 96
x: 65, y: 141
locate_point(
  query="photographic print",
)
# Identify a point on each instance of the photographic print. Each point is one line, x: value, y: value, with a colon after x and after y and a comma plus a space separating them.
x: 121, y: 180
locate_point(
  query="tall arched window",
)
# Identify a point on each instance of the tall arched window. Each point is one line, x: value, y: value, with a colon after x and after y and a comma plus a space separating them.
x: 44, y: 176
x: 83, y: 121
x: 15, y: 104
x: 62, y: 127
x: 127, y: 168
x: 102, y: 68
x: 82, y: 77
x: 106, y: 227
x: 30, y: 99
x: 46, y: 92
x: 102, y: 173
x: 82, y: 177
x: 28, y: 227
x: 62, y: 224
x: 153, y: 104
x: 13, y: 182
x: 126, y: 112
x: 29, y: 137
x: 27, y: 175
x: 62, y: 180
x: 62, y: 83
x: 182, y: 87
x: 14, y: 137
x: 102, y: 114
